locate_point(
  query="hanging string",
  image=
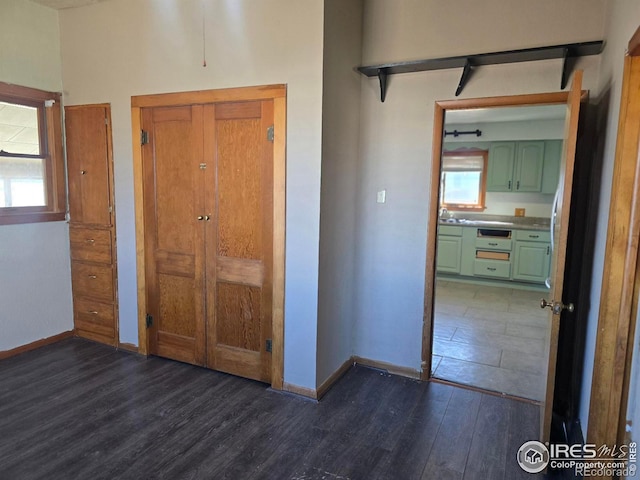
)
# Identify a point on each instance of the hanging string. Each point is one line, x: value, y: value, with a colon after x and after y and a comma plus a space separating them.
x: 204, y: 38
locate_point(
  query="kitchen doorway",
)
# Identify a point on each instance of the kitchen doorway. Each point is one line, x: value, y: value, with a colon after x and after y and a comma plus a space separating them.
x: 499, y: 174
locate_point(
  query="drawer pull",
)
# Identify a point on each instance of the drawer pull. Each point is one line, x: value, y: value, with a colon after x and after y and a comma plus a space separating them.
x: 491, y: 269
x: 93, y: 312
x: 90, y: 240
x: 534, y: 236
x: 93, y: 277
x: 493, y: 244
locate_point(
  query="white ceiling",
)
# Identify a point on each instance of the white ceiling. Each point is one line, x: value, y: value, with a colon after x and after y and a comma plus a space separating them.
x: 18, y: 129
x: 505, y: 114
x: 60, y: 4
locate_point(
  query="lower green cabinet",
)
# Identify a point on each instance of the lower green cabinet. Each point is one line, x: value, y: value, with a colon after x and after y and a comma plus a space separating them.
x: 531, y: 261
x: 448, y: 254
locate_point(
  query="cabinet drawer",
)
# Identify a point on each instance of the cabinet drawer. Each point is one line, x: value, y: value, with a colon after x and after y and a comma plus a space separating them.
x: 450, y: 230
x: 533, y: 235
x: 485, y: 243
x: 93, y: 281
x: 492, y: 268
x: 94, y: 317
x: 90, y: 245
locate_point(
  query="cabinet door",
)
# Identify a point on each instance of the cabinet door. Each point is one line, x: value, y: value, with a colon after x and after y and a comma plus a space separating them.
x: 500, y: 170
x: 174, y: 232
x: 88, y: 165
x: 531, y: 261
x: 529, y: 163
x: 551, y: 169
x: 239, y: 197
x: 448, y: 255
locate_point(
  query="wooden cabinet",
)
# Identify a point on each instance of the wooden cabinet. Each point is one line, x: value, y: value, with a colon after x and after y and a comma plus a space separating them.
x: 449, y: 254
x: 516, y: 166
x: 528, y: 166
x: 92, y: 226
x: 532, y: 256
x: 525, y: 256
x: 501, y: 167
x: 209, y: 234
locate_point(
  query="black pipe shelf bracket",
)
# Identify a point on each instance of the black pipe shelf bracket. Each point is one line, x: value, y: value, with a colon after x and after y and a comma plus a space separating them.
x: 568, y: 53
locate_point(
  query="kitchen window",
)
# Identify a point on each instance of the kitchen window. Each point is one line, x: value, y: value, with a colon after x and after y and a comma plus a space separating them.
x: 463, y: 180
x: 31, y: 163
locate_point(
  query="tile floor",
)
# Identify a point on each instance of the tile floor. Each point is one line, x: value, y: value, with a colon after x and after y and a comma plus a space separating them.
x: 491, y: 337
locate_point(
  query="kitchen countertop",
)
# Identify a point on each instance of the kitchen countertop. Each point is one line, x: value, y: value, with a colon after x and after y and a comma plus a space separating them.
x: 498, y: 221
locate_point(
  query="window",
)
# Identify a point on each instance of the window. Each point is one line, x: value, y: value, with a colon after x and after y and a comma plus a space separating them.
x: 31, y: 163
x: 463, y: 180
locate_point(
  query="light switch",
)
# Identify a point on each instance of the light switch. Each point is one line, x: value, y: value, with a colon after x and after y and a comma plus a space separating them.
x: 382, y: 196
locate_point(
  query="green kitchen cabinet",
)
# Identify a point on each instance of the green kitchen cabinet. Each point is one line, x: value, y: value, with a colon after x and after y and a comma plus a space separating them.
x: 501, y: 167
x: 529, y: 166
x: 448, y: 254
x: 531, y: 261
x: 551, y: 170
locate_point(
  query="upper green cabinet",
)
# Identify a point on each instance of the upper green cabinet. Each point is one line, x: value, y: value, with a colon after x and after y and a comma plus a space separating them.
x: 501, y: 166
x: 529, y: 165
x: 526, y: 166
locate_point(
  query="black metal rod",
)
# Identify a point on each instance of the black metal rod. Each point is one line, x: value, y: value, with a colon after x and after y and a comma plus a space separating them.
x: 456, y: 133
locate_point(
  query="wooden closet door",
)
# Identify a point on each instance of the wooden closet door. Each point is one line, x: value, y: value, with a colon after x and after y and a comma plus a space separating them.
x: 174, y: 231
x: 239, y: 197
x: 87, y: 148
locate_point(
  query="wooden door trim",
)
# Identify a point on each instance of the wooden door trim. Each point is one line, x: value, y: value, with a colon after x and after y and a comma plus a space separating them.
x: 238, y: 94
x: 621, y: 276
x: 553, y: 98
x: 278, y: 94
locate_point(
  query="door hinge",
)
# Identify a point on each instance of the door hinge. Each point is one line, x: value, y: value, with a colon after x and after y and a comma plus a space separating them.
x: 144, y: 137
x: 106, y: 121
x: 149, y: 321
x: 110, y: 209
x: 270, y: 133
x: 269, y: 345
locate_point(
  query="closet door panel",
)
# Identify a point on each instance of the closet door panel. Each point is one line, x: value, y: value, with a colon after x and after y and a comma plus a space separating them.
x: 239, y: 241
x: 174, y: 233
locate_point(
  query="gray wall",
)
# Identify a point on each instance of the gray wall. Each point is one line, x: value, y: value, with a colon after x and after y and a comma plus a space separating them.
x: 340, y: 132
x: 35, y: 271
x: 396, y: 137
x: 116, y: 49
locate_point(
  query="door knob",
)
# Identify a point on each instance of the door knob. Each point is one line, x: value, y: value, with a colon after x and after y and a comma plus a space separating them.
x: 556, y: 307
x: 200, y: 217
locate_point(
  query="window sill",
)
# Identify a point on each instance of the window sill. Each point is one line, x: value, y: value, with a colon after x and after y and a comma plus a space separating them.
x: 34, y: 217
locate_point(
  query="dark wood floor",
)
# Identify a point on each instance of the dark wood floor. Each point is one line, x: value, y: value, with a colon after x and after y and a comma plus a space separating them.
x: 78, y: 410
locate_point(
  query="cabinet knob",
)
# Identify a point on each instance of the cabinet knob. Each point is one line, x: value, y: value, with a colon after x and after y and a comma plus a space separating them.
x: 83, y: 172
x: 207, y: 217
x: 200, y: 217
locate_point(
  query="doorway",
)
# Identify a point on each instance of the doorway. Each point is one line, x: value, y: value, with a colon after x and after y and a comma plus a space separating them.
x: 558, y: 231
x: 210, y: 182
x: 493, y: 254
